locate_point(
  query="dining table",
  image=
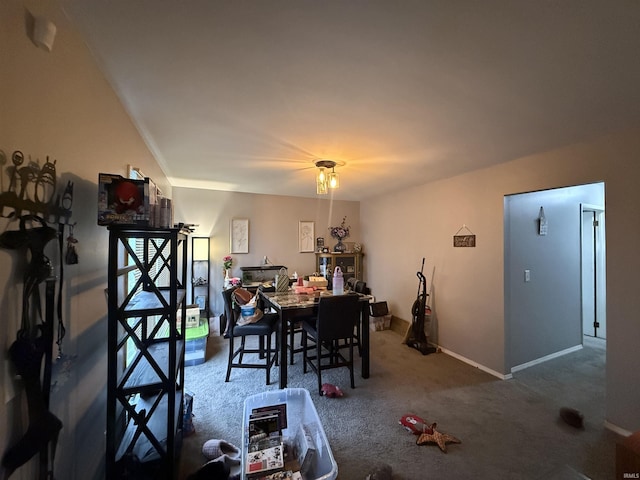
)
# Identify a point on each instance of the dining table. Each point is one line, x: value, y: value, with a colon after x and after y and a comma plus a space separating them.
x: 291, y: 305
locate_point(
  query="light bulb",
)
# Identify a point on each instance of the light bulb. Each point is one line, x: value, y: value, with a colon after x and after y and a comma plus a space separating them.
x: 334, y: 180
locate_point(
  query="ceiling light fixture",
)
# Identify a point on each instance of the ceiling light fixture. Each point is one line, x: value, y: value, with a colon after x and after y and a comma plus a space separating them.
x: 326, y: 180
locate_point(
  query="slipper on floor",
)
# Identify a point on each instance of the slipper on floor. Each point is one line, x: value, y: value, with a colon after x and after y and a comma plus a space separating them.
x: 214, y: 448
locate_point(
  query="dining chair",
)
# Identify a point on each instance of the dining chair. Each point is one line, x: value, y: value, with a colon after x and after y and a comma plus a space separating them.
x: 360, y: 287
x: 335, y: 322
x: 263, y: 329
x: 292, y: 329
x: 295, y: 328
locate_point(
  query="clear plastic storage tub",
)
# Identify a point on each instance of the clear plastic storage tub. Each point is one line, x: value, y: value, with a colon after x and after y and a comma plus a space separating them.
x: 300, y: 410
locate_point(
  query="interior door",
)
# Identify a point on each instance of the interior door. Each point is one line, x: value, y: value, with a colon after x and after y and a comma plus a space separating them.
x: 593, y: 273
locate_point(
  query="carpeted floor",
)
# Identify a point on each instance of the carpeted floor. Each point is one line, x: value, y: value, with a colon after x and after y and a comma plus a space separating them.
x: 509, y: 429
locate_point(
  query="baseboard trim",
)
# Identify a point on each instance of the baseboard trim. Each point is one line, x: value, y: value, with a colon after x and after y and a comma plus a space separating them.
x: 401, y: 326
x: 616, y: 429
x: 546, y: 358
x: 477, y: 365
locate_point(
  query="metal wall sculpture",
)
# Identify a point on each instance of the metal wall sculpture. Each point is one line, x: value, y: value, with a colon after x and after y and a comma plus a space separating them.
x: 33, y: 189
x: 33, y: 201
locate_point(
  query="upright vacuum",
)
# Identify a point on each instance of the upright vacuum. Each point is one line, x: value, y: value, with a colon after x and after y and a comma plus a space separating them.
x: 417, y: 338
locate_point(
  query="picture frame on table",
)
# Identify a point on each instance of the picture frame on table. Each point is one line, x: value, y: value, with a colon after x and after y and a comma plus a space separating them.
x: 239, y: 235
x: 306, y: 235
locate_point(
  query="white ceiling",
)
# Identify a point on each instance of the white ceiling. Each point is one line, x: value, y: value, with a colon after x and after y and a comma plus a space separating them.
x: 244, y: 95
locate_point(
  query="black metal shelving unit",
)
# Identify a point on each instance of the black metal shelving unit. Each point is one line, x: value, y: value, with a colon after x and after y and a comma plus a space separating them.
x: 147, y: 275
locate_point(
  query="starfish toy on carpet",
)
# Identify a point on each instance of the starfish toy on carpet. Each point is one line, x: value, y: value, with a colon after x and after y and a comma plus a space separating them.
x: 437, y: 437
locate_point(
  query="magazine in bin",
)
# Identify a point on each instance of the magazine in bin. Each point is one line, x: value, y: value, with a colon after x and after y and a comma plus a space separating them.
x: 301, y: 415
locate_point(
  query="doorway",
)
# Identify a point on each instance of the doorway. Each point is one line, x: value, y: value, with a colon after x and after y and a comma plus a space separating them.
x: 593, y: 291
x: 544, y: 273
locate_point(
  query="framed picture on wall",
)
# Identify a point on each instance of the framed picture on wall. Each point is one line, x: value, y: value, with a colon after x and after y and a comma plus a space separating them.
x: 306, y: 236
x: 239, y: 235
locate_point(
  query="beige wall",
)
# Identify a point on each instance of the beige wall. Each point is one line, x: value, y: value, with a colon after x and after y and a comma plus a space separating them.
x: 468, y: 292
x: 273, y: 227
x: 59, y: 105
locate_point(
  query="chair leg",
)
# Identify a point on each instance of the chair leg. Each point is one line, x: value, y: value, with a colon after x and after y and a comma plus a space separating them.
x: 268, y: 360
x: 304, y: 351
x: 230, y: 358
x: 353, y: 385
x: 319, y: 366
x: 277, y: 351
x: 241, y: 349
x: 291, y: 341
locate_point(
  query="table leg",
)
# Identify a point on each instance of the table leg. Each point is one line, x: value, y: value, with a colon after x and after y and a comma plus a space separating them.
x: 364, y: 333
x: 282, y: 331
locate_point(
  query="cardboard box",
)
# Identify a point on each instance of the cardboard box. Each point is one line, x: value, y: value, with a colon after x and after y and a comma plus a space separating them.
x: 193, y: 316
x: 628, y: 457
x: 377, y: 324
x: 124, y: 201
x: 315, y: 282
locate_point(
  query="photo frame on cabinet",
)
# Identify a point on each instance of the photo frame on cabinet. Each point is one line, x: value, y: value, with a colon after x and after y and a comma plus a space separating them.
x: 306, y: 236
x: 239, y: 235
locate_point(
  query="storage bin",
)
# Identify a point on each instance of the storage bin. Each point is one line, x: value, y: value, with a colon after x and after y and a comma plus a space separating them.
x: 377, y: 324
x: 196, y: 344
x: 300, y: 410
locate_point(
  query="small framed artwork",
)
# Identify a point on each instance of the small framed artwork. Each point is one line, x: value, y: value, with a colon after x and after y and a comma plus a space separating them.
x: 201, y: 302
x: 239, y: 235
x: 306, y: 234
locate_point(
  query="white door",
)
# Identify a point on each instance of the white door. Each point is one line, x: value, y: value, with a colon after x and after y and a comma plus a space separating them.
x: 593, y: 272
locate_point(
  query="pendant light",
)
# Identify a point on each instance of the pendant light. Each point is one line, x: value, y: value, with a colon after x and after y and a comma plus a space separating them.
x: 326, y: 180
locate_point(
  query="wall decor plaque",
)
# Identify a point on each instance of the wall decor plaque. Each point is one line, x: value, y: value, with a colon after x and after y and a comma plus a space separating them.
x: 464, y: 240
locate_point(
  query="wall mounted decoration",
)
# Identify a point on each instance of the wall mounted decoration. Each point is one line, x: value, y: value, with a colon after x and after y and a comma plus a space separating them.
x: 542, y: 223
x: 33, y: 189
x: 306, y: 234
x: 32, y: 201
x: 464, y: 240
x: 239, y: 235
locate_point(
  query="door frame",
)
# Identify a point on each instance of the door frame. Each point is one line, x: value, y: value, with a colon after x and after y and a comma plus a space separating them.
x: 600, y: 269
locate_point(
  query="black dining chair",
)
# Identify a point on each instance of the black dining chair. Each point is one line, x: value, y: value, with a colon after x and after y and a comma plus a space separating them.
x: 358, y: 286
x: 263, y: 329
x: 293, y: 328
x: 336, y: 320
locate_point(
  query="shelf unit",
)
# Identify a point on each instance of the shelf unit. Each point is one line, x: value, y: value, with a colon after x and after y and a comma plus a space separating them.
x: 349, y: 263
x: 147, y: 274
x: 200, y: 274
